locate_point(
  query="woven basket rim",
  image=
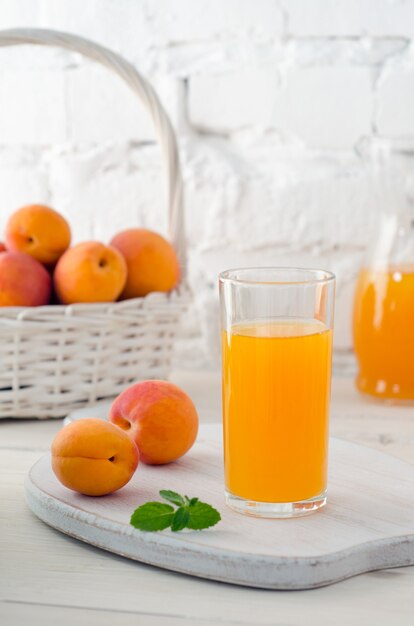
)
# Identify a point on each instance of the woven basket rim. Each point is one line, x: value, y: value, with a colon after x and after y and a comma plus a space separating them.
x: 181, y: 289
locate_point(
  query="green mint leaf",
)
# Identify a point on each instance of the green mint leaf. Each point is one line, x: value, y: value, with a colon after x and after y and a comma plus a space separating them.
x: 190, y: 513
x: 152, y: 516
x: 202, y: 515
x: 180, y: 519
x: 172, y: 496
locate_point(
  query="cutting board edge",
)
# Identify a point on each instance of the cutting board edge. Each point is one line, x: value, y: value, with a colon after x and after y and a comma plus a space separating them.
x: 260, y: 571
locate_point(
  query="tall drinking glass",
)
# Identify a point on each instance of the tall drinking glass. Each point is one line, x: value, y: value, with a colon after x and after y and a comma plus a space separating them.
x: 277, y: 326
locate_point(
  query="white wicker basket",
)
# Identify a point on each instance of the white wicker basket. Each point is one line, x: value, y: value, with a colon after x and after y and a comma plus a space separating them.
x: 56, y: 358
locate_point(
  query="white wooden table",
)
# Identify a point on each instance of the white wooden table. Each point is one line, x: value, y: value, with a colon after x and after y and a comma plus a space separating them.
x: 49, y: 578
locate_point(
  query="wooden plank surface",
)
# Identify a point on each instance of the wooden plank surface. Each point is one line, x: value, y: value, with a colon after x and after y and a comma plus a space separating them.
x: 45, y: 570
x: 45, y: 614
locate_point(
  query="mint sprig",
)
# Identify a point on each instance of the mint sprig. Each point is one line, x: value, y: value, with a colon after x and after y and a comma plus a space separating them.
x: 153, y: 516
x: 172, y: 496
x: 189, y: 513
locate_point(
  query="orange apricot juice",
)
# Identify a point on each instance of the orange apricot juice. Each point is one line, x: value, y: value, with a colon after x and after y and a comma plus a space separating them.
x: 383, y: 328
x: 276, y: 389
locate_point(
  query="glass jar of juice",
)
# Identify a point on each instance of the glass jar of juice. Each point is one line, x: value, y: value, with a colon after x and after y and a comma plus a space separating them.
x: 383, y: 319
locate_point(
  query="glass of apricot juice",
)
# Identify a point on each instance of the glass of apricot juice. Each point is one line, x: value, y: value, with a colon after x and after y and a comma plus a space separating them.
x: 277, y: 326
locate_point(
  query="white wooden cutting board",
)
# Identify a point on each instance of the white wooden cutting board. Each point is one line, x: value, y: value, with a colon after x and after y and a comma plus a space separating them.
x: 368, y: 523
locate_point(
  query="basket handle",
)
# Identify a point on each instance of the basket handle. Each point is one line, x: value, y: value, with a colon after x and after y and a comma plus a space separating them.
x: 146, y: 93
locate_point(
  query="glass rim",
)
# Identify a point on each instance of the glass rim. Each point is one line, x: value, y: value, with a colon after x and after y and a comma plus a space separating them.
x: 229, y: 276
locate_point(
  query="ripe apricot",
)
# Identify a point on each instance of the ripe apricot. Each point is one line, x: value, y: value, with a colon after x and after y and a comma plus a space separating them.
x: 160, y: 418
x: 151, y: 260
x: 90, y: 272
x: 23, y: 281
x: 93, y: 457
x: 39, y: 231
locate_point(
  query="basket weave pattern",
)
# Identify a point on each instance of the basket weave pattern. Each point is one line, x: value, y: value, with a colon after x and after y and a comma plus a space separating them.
x: 56, y: 358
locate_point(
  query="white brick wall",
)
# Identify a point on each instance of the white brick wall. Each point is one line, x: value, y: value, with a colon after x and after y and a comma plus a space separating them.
x: 32, y: 107
x: 327, y: 107
x: 179, y: 21
x: 220, y: 103
x: 349, y: 18
x: 269, y: 99
x: 396, y: 102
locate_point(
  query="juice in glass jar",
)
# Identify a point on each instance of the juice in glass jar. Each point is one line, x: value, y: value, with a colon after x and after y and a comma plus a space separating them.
x: 383, y: 329
x: 276, y: 390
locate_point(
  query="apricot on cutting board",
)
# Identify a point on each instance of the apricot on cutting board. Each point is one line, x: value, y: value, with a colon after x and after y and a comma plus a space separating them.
x: 160, y: 418
x: 93, y: 457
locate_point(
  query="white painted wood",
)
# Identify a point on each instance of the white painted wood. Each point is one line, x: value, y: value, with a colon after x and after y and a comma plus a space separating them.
x: 368, y: 524
x: 45, y: 615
